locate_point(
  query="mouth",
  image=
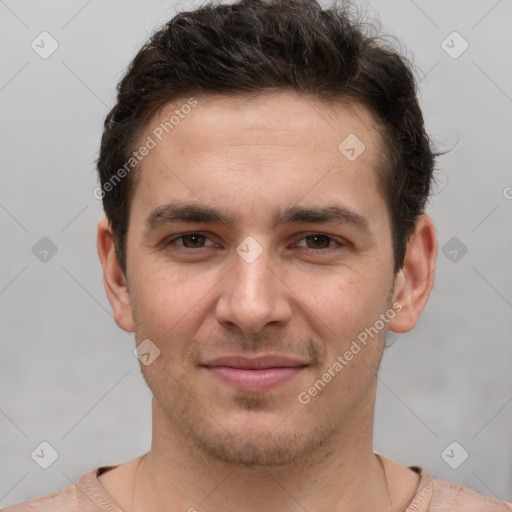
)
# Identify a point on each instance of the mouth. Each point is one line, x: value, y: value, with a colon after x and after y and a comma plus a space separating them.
x: 254, y: 374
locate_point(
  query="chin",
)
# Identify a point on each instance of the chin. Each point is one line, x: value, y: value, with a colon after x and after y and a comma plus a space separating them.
x: 259, y: 440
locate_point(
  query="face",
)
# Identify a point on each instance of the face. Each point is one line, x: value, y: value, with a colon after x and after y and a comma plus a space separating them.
x: 281, y: 247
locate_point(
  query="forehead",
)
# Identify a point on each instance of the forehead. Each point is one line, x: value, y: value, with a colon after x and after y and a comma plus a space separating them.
x: 225, y: 146
x: 283, y: 118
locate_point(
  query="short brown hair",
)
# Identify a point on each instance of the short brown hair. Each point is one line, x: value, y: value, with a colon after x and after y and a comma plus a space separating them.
x: 262, y: 46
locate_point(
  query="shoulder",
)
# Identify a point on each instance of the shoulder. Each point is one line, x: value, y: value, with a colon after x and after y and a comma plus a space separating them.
x: 64, y: 500
x: 451, y: 497
x: 433, y: 495
x: 87, y: 495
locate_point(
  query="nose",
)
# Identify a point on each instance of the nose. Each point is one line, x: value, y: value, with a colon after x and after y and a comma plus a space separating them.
x: 253, y: 295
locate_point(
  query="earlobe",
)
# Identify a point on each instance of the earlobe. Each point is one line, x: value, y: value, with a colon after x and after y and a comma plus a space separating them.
x: 114, y: 281
x: 414, y: 282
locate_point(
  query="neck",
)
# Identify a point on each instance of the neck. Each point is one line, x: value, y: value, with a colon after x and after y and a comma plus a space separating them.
x: 343, y: 475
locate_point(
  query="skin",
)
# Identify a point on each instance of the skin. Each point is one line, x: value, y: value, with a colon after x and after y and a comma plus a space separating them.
x: 215, y: 448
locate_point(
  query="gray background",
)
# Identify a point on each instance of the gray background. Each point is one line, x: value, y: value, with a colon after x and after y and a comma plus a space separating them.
x: 68, y: 375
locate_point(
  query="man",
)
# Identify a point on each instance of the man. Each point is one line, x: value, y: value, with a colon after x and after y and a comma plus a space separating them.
x: 264, y: 175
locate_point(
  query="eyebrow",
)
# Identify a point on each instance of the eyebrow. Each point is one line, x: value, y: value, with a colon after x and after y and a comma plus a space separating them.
x: 202, y: 214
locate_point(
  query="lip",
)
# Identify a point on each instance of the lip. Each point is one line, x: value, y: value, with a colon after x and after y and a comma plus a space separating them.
x: 255, y: 363
x: 254, y: 374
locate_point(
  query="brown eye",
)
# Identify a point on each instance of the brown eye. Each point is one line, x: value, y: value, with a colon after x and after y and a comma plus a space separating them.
x: 189, y: 241
x: 320, y: 244
x: 195, y: 239
x: 319, y: 241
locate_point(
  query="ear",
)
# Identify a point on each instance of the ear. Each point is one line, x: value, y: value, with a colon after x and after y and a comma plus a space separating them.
x: 114, y: 281
x: 414, y: 282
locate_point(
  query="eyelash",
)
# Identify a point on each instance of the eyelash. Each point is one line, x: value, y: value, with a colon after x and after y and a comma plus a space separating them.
x: 309, y: 250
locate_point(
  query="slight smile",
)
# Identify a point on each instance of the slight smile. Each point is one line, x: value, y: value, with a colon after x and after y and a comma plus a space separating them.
x: 254, y: 374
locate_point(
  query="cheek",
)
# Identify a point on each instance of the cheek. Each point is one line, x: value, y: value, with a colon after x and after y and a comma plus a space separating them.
x: 168, y: 302
x: 337, y: 302
x: 343, y: 299
x: 344, y: 313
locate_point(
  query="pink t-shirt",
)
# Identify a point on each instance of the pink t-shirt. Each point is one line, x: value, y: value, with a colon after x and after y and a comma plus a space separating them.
x: 432, y: 496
